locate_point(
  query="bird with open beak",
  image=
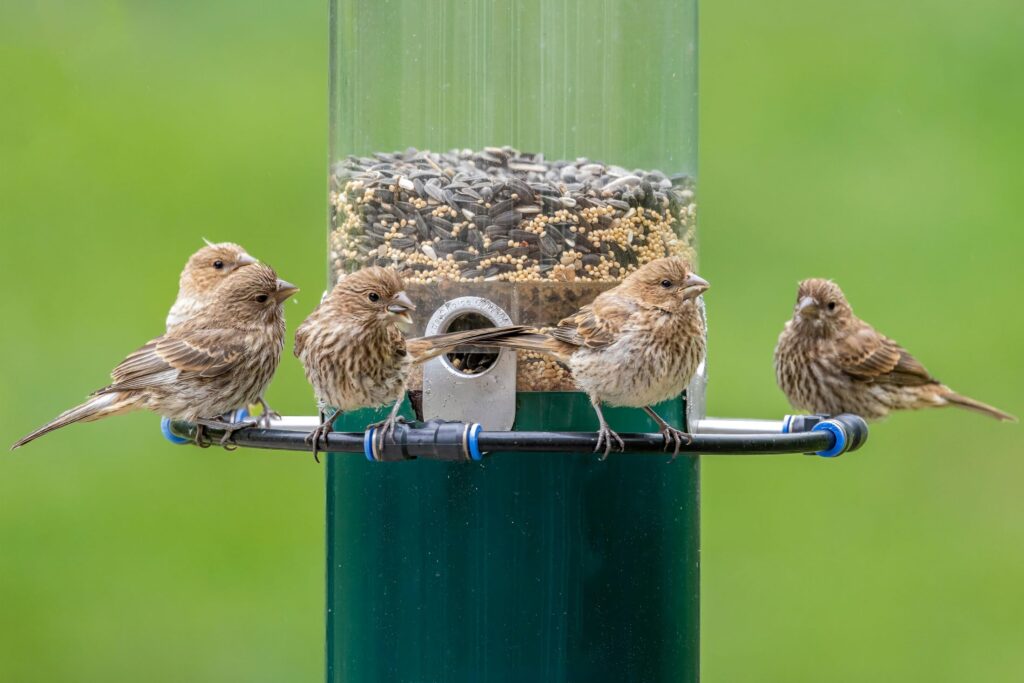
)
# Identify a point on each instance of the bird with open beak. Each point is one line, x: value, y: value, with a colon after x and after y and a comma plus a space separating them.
x: 829, y: 361
x: 637, y: 344
x: 354, y: 353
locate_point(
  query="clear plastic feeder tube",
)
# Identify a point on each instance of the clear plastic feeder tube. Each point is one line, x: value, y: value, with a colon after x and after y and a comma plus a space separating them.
x: 530, y: 152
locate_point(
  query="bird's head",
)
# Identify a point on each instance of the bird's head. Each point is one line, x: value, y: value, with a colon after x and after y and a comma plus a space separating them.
x: 373, y: 295
x: 254, y: 296
x: 666, y: 283
x: 211, y: 265
x: 821, y: 308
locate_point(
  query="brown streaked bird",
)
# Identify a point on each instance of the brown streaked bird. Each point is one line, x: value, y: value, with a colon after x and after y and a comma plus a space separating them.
x: 829, y: 361
x: 637, y: 344
x: 354, y: 354
x: 219, y: 360
x: 203, y: 274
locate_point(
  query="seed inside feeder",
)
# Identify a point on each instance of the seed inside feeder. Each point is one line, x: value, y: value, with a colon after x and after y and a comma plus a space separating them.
x: 468, y: 359
x: 539, y: 238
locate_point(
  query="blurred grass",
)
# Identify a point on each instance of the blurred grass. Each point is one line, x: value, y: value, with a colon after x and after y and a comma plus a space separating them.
x: 874, y: 143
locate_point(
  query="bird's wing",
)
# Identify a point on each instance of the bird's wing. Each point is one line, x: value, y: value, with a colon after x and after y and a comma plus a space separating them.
x: 203, y: 353
x: 871, y: 356
x: 596, y: 325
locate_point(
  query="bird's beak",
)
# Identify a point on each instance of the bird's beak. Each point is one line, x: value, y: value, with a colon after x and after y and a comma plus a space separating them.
x: 807, y: 307
x: 284, y: 290
x: 246, y: 260
x: 694, y: 286
x: 399, y: 307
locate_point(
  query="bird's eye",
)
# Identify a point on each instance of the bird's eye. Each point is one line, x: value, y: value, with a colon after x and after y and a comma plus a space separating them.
x: 218, y: 264
x: 373, y: 296
x: 831, y: 305
x: 262, y: 298
x: 666, y: 283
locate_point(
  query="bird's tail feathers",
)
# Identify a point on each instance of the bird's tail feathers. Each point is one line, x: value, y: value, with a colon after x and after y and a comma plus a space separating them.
x: 977, y: 406
x: 96, y: 407
x: 425, y: 348
x: 516, y: 337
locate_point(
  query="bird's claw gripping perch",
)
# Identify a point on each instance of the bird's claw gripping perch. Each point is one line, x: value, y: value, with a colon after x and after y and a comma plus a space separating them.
x: 386, y: 428
x: 605, y: 436
x: 201, y: 439
x: 229, y: 429
x: 267, y: 414
x: 325, y: 427
x: 677, y: 437
x: 315, y: 437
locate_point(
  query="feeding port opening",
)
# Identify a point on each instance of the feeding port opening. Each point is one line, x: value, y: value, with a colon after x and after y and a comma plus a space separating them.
x: 468, y: 359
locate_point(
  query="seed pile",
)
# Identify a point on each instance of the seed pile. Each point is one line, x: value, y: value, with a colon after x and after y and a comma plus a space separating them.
x: 539, y: 238
x: 503, y: 215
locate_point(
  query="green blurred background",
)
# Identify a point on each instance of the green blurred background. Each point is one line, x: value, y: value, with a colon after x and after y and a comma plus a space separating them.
x: 877, y: 143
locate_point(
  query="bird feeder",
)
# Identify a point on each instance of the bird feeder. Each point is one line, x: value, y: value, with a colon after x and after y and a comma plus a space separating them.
x: 513, y: 160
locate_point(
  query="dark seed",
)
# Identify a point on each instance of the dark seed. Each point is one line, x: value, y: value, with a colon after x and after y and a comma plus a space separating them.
x: 448, y: 246
x: 520, y: 188
x: 523, y: 236
x: 508, y: 218
x: 422, y: 228
x: 434, y: 191
x: 500, y: 207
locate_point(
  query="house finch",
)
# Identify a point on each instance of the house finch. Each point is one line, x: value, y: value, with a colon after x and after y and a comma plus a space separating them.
x: 202, y: 275
x: 354, y: 354
x: 219, y: 360
x: 637, y: 344
x: 829, y: 361
x: 205, y: 271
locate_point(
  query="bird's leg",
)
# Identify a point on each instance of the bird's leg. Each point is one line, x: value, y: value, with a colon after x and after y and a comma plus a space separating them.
x: 229, y: 427
x: 387, y: 427
x: 604, y: 433
x: 323, y: 429
x: 677, y: 437
x: 267, y: 413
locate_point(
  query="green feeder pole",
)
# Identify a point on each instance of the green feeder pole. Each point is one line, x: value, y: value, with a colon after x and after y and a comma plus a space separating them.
x: 524, y: 566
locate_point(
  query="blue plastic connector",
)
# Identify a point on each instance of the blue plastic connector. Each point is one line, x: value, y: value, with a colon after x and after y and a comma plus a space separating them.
x: 165, y: 429
x: 368, y: 444
x: 839, y: 445
x: 473, y: 440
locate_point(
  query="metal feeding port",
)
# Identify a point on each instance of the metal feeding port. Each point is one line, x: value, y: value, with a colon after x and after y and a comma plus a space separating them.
x: 471, y: 384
